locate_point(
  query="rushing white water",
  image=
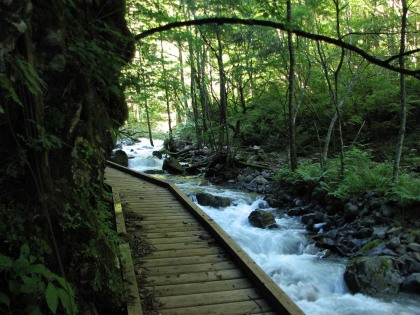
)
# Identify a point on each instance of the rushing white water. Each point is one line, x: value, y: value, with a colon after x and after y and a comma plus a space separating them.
x: 314, y: 283
x: 140, y: 154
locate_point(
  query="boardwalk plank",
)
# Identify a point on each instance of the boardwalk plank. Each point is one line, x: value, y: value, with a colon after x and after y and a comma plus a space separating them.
x: 203, y: 287
x: 181, y: 260
x: 235, y: 308
x: 211, y: 298
x: 196, y: 277
x: 168, y: 270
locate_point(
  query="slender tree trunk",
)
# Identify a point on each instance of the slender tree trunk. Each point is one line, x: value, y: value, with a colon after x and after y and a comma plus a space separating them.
x: 292, y: 137
x: 143, y: 80
x: 168, y: 108
x: 403, y: 112
x: 224, y: 131
x: 201, y: 72
x: 184, y: 101
x: 149, y: 127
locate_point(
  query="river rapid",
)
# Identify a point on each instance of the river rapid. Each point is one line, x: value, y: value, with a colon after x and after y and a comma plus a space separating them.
x: 316, y: 284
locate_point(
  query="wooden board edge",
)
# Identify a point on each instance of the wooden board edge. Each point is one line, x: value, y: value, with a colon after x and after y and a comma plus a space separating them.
x: 126, y: 261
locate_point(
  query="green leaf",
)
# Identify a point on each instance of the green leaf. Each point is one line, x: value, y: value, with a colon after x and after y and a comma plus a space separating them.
x: 52, y: 297
x: 21, y: 266
x: 24, y: 250
x: 30, y: 285
x: 6, y: 84
x: 67, y: 301
x: 42, y: 270
x: 5, y: 262
x: 4, y: 299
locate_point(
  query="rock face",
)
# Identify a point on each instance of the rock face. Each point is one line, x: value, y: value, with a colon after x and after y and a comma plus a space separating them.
x: 120, y: 157
x: 262, y: 219
x: 60, y: 98
x: 375, y: 275
x: 172, y: 166
x: 206, y: 199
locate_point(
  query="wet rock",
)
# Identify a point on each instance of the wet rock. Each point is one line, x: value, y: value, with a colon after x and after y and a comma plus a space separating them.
x: 206, y: 199
x: 387, y: 211
x: 415, y: 247
x: 351, y: 210
x: 375, y: 276
x: 248, y: 179
x: 298, y: 211
x: 157, y: 154
x: 393, y: 243
x: 408, y: 238
x: 325, y: 254
x: 408, y: 264
x: 259, y: 180
x: 375, y: 248
x: 305, y: 219
x: 332, y: 234
x: 261, y: 219
x: 394, y: 231
x: 263, y: 204
x: 265, y: 174
x: 120, y: 157
x: 367, y: 222
x: 172, y: 166
x: 411, y: 283
x: 240, y: 178
x: 379, y: 232
x: 363, y: 233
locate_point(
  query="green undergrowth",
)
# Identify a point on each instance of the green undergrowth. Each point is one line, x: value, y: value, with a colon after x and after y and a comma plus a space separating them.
x: 31, y: 279
x: 361, y: 174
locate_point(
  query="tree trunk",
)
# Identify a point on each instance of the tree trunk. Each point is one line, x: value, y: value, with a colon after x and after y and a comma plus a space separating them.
x: 183, y: 101
x: 292, y: 137
x: 224, y: 131
x: 168, y: 109
x: 403, y: 112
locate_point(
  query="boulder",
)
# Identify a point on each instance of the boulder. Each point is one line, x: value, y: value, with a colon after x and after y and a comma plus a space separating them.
x: 172, y: 166
x: 206, y: 199
x: 375, y: 276
x: 157, y: 154
x: 261, y: 219
x: 411, y: 283
x: 351, y: 210
x: 120, y: 157
x: 259, y: 180
x: 414, y: 247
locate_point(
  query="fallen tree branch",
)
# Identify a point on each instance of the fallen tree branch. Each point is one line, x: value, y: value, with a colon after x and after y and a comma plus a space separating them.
x: 281, y: 26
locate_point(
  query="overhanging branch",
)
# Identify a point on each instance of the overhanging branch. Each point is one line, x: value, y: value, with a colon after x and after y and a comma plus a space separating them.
x: 280, y: 26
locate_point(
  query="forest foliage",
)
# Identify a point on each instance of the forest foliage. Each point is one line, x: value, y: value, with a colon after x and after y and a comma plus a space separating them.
x: 221, y: 84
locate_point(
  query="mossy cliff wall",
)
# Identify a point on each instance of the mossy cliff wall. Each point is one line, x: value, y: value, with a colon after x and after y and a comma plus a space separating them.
x: 60, y: 101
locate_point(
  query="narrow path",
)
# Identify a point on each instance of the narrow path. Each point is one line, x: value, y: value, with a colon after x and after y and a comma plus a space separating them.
x: 193, y: 267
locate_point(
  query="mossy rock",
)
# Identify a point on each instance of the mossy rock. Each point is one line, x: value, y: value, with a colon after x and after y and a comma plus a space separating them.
x: 375, y: 276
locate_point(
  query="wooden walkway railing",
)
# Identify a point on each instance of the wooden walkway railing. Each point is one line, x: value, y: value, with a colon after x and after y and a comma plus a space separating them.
x: 194, y: 267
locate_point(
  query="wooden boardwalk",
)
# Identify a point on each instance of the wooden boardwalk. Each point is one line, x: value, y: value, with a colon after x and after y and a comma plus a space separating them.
x: 194, y: 267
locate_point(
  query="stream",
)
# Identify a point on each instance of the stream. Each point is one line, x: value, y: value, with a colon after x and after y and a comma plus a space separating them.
x: 315, y: 284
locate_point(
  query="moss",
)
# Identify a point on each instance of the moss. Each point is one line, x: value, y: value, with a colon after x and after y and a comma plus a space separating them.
x: 371, y: 245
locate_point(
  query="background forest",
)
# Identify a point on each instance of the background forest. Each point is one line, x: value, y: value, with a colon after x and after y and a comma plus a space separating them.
x: 237, y: 85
